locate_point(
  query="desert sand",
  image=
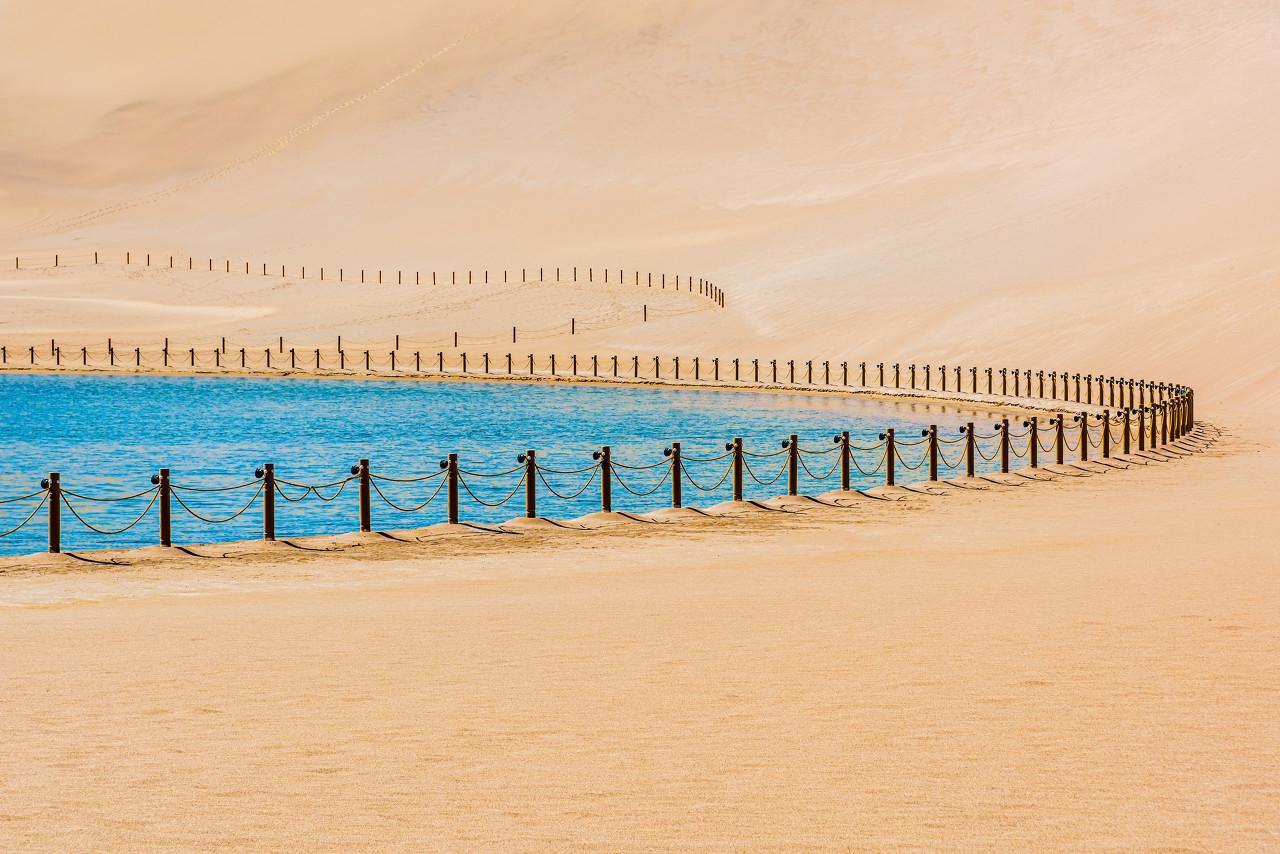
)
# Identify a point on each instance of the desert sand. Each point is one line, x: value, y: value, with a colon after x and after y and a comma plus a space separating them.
x: 1085, y: 663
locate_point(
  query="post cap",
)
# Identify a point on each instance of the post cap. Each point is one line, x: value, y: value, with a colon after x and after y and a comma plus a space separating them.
x: 155, y: 480
x: 444, y: 464
x: 44, y: 483
x: 259, y: 471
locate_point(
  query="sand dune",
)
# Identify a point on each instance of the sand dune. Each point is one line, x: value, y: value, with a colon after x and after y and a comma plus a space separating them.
x: 1038, y: 181
x: 1082, y: 666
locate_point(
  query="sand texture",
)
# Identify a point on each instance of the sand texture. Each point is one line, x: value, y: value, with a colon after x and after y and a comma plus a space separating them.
x: 1086, y: 663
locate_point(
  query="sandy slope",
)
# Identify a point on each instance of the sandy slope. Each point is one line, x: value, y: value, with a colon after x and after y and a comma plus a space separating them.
x: 971, y: 672
x: 1009, y: 181
x: 1082, y: 666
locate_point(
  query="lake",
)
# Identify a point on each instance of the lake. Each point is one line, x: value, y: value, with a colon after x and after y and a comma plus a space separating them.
x: 107, y: 435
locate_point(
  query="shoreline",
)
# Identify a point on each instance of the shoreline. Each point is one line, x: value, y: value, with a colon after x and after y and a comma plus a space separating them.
x: 1203, y: 437
x: 1002, y: 403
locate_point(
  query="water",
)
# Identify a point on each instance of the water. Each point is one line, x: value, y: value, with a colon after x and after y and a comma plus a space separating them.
x: 107, y: 435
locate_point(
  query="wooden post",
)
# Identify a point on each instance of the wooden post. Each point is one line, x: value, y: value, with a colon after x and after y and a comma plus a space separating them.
x: 166, y: 516
x: 1060, y: 438
x: 1106, y: 434
x: 1033, y: 442
x: 54, y: 484
x: 792, y: 444
x: 736, y: 447
x: 361, y: 470
x: 932, y: 434
x: 1126, y: 431
x: 606, y: 479
x: 889, y: 451
x: 843, y: 441
x: 530, y: 483
x: 970, y: 450
x: 1083, y: 418
x: 1003, y: 427
x: 677, y: 473
x: 451, y: 472
x: 1142, y: 427
x: 268, y: 475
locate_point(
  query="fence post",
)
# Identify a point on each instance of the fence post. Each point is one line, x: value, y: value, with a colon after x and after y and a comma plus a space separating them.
x: 606, y: 478
x: 1060, y: 438
x: 361, y: 470
x: 1003, y: 427
x: 530, y: 483
x: 268, y: 474
x: 1106, y: 434
x: 970, y: 450
x: 897, y: 375
x: 736, y: 447
x: 1142, y: 427
x: 53, y: 483
x: 676, y: 473
x: 166, y: 517
x: 1126, y: 431
x: 1152, y: 409
x: 451, y: 468
x: 792, y: 444
x: 887, y: 436
x: 843, y: 441
x: 932, y: 434
x: 1083, y: 418
x: 1033, y: 441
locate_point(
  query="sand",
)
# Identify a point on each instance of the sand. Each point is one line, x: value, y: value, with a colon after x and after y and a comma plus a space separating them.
x: 1083, y: 664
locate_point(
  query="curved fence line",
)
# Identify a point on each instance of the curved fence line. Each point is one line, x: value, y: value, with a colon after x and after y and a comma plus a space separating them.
x: 676, y: 282
x: 1150, y: 416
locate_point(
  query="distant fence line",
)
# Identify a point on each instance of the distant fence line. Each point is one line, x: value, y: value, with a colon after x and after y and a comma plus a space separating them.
x: 686, y: 283
x: 1151, y: 415
x: 1019, y: 383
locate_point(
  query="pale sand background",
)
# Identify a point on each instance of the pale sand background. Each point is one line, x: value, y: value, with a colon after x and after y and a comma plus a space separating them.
x: 1081, y: 665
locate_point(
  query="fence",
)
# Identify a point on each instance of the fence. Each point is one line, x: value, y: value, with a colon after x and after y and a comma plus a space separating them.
x: 676, y: 282
x: 1151, y: 416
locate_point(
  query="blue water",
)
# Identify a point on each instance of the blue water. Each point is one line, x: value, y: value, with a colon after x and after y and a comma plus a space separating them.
x: 107, y: 435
